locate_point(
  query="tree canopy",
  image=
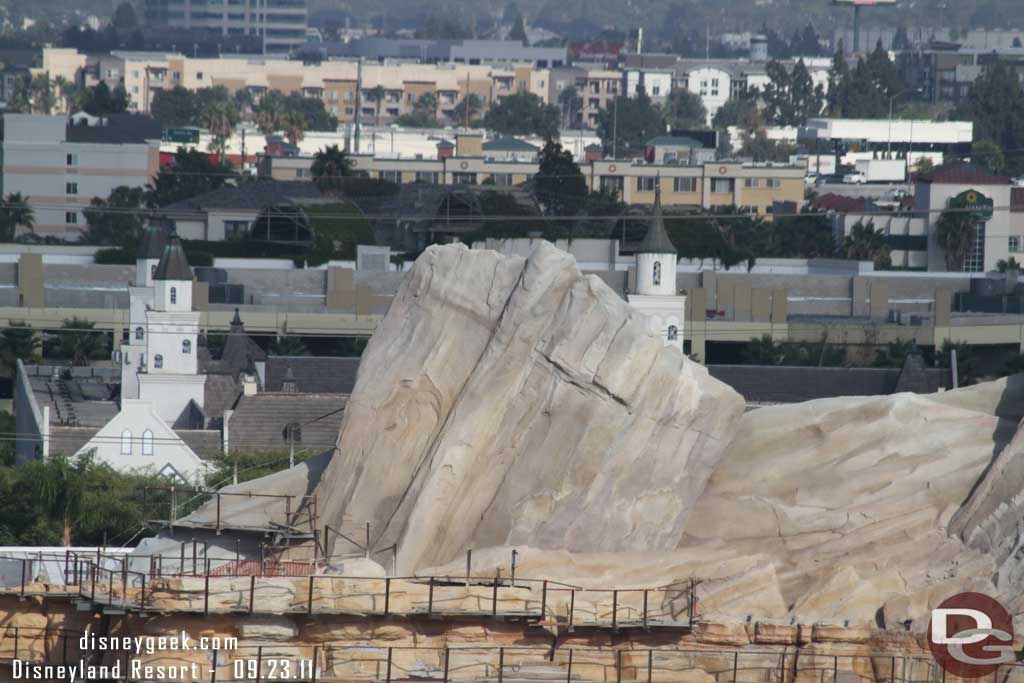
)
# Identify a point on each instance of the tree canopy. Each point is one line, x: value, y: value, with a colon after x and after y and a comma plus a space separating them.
x: 523, y: 113
x: 683, y: 109
x: 791, y: 96
x: 996, y: 106
x: 560, y: 186
x: 116, y: 220
x: 191, y: 173
x: 629, y: 122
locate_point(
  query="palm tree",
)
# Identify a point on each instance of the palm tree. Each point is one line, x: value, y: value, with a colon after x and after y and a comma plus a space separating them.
x: 65, y: 91
x: 376, y: 95
x: 15, y: 211
x: 330, y: 166
x: 268, y: 113
x: 294, y: 125
x: 60, y: 484
x: 956, y: 232
x: 864, y: 243
x: 1004, y: 265
x: 41, y: 94
x: 220, y: 117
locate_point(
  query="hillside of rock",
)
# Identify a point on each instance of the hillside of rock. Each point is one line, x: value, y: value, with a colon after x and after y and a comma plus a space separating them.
x: 516, y: 401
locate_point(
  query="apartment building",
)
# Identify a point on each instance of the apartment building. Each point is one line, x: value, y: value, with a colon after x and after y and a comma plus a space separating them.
x: 495, y: 52
x: 759, y: 187
x: 280, y: 24
x: 61, y: 165
x: 403, y: 83
x: 596, y: 85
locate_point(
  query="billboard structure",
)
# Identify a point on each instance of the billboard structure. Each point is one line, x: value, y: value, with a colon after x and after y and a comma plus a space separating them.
x: 857, y: 5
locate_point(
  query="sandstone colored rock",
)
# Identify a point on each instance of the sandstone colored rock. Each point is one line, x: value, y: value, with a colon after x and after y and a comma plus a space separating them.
x: 516, y: 400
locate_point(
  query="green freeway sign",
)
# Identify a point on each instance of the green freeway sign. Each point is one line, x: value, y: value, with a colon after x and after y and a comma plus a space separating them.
x: 184, y: 135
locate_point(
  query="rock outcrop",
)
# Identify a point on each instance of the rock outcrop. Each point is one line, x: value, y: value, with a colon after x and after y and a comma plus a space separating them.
x: 510, y: 400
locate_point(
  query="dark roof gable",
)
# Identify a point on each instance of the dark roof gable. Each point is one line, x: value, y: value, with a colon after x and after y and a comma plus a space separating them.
x: 173, y: 263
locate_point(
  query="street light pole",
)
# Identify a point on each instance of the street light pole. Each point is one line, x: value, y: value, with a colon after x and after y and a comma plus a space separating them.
x: 615, y: 127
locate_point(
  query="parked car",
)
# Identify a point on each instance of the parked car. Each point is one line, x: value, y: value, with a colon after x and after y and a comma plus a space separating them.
x: 828, y: 180
x: 855, y: 178
x: 811, y: 179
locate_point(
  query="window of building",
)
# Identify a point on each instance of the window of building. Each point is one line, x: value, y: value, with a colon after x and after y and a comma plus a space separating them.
x: 147, y: 442
x: 70, y: 188
x: 174, y: 295
x: 139, y: 333
x: 504, y: 179
x: 656, y: 90
x: 684, y: 184
x: 126, y: 442
x: 199, y: 75
x: 464, y: 178
x: 1014, y: 245
x: 135, y: 89
x: 135, y: 74
x: 752, y: 183
x: 186, y: 346
x: 72, y: 160
x: 611, y: 183
x: 426, y: 177
x: 656, y: 275
x: 234, y: 230
x: 391, y: 176
x: 646, y: 183
x: 721, y: 185
x: 974, y: 262
x: 673, y: 333
x: 773, y: 183
x: 158, y: 361
x: 71, y: 217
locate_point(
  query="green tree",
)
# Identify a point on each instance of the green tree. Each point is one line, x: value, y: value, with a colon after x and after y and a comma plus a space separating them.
x: 739, y: 111
x: 956, y: 232
x: 124, y: 17
x: 989, y: 155
x: 18, y: 341
x: 893, y: 354
x: 288, y: 345
x: 190, y: 174
x: 1004, y: 265
x: 523, y: 113
x: 423, y: 114
x: 41, y: 94
x: 116, y: 220
x: 78, y: 342
x: 270, y: 113
x: 376, y: 95
x: 61, y: 486
x: 761, y: 148
x: 865, y: 243
x: 294, y: 125
x: 996, y: 107
x: 560, y: 186
x: 791, y: 96
x: 629, y: 122
x: 175, y: 107
x: 518, y: 31
x: 14, y: 213
x: 467, y: 110
x: 330, y: 166
x: 683, y: 109
x: 100, y: 100
x: 966, y: 361
x: 220, y: 118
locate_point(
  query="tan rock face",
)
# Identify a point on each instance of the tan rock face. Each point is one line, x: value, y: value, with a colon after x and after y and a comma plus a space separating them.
x: 515, y: 400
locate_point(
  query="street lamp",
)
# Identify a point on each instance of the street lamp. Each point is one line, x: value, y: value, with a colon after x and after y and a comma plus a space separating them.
x: 888, y: 147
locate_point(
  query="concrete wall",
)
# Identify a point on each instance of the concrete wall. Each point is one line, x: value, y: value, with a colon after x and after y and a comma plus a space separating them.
x: 29, y: 421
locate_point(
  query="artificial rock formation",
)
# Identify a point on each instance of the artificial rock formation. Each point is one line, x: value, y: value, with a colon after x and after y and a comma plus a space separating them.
x: 510, y: 400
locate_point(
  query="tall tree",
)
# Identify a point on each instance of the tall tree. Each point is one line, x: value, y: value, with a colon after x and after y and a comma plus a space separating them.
x: 467, y: 110
x: 865, y: 243
x: 376, y: 95
x: 124, y: 17
x: 684, y: 109
x: 523, y: 113
x: 956, y: 232
x: 79, y: 342
x: 116, y: 220
x: 191, y: 173
x: 791, y: 97
x: 629, y: 122
x: 518, y: 31
x: 41, y: 94
x: 174, y: 107
x: 294, y: 125
x: 560, y: 186
x: 15, y: 212
x: 989, y: 155
x: 330, y: 166
x: 996, y: 107
x: 220, y: 118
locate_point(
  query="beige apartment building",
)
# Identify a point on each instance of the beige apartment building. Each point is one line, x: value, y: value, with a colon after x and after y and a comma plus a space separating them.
x: 335, y: 82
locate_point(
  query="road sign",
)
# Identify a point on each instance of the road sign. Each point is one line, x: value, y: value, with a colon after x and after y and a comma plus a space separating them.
x: 183, y: 135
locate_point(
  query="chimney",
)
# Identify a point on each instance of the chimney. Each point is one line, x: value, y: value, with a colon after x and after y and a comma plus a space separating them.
x: 249, y: 385
x: 469, y: 145
x: 289, y: 385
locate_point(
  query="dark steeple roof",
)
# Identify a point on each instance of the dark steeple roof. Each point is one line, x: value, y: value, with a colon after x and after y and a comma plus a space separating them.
x: 173, y: 264
x: 151, y: 246
x: 656, y: 241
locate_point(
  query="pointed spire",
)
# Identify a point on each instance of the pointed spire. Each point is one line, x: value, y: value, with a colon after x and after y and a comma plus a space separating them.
x: 236, y: 322
x: 151, y: 246
x: 657, y: 241
x: 173, y: 263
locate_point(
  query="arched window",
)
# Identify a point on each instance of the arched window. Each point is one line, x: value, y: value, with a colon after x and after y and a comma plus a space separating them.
x: 186, y: 346
x: 174, y: 295
x: 158, y: 361
x: 139, y: 333
x: 152, y: 270
x: 673, y: 332
x: 147, y: 442
x: 126, y: 442
x: 657, y: 273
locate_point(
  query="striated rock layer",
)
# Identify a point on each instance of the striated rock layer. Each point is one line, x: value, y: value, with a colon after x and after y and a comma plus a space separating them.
x: 510, y: 400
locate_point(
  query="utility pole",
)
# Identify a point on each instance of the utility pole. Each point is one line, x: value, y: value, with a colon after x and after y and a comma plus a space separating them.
x: 359, y: 103
x: 469, y: 95
x: 615, y: 128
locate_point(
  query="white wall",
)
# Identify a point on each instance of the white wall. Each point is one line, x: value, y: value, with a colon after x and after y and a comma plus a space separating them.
x: 712, y: 85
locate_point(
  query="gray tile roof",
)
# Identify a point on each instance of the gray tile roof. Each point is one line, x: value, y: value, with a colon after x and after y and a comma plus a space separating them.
x: 206, y: 443
x: 173, y: 263
x: 220, y: 393
x: 259, y: 421
x: 118, y: 129
x: 151, y: 246
x: 253, y: 195
x: 313, y: 374
x: 656, y: 241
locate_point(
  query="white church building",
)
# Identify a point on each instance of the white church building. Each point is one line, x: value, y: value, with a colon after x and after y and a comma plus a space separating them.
x: 160, y: 377
x: 654, y: 291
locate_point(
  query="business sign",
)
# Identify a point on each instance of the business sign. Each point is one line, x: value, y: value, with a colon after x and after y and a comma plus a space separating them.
x: 971, y: 635
x: 181, y: 135
x: 863, y: 3
x: 974, y: 202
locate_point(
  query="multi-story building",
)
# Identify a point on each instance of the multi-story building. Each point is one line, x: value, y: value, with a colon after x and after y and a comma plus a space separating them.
x: 596, y: 85
x: 400, y: 84
x: 948, y: 70
x: 61, y: 165
x: 280, y: 24
x: 494, y: 52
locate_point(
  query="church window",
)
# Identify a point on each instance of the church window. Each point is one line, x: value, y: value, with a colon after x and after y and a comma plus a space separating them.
x: 126, y: 442
x: 152, y: 270
x: 147, y: 442
x: 673, y: 333
x: 186, y: 346
x: 139, y: 333
x: 158, y: 361
x: 657, y: 273
x: 174, y: 295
